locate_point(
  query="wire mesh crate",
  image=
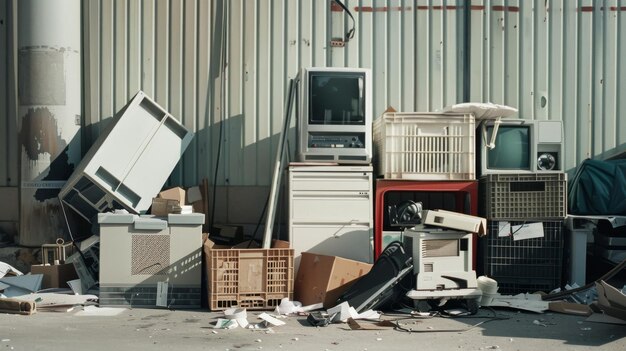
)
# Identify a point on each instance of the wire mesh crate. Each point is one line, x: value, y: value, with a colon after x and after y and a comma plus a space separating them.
x: 424, y: 146
x: 255, y: 279
x: 526, y: 265
x: 536, y: 197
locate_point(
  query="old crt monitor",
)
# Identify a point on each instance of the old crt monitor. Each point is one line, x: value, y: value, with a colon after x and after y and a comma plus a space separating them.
x: 520, y: 146
x: 335, y: 115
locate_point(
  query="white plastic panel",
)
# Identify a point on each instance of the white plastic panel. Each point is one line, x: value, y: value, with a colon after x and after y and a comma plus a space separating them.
x: 330, y: 207
x: 347, y: 241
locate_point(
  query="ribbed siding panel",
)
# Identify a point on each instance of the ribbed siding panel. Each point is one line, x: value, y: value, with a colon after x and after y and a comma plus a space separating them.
x: 554, y: 60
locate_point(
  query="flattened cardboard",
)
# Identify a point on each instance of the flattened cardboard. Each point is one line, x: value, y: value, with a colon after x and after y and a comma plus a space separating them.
x: 455, y: 220
x: 55, y: 276
x: 163, y: 207
x: 324, y: 278
x: 610, y: 300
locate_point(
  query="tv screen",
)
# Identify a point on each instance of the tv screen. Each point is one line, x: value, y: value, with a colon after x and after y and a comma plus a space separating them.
x: 512, y: 149
x: 337, y: 98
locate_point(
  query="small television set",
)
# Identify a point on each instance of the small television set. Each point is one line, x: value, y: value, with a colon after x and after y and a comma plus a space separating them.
x: 520, y: 146
x: 335, y: 115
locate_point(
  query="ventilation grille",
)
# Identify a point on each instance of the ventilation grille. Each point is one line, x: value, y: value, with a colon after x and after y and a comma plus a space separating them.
x: 440, y: 248
x: 428, y: 267
x: 151, y: 254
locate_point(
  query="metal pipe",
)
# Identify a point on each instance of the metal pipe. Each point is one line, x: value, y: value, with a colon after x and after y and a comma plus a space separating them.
x: 49, y: 112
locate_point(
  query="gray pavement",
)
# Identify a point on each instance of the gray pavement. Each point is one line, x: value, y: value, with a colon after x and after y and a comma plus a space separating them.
x: 160, y: 329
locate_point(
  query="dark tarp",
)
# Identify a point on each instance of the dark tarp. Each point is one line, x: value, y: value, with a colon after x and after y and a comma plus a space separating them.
x: 598, y: 188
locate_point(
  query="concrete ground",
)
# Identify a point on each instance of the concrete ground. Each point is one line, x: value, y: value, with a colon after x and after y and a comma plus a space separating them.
x: 161, y: 329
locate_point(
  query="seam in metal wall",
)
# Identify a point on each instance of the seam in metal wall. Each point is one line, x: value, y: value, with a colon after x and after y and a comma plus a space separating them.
x: 556, y: 59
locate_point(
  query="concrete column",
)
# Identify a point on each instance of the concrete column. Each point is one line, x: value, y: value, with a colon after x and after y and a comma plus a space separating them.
x: 49, y: 112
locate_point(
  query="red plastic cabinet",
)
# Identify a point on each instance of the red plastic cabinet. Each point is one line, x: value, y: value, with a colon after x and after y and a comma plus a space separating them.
x: 464, y: 194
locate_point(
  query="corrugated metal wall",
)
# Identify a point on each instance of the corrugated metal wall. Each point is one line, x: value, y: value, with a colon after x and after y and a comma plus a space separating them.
x: 555, y: 60
x: 172, y: 50
x: 225, y: 65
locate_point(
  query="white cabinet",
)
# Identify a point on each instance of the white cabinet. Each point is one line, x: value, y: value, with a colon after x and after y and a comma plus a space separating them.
x: 130, y: 161
x: 330, y: 211
x: 139, y: 252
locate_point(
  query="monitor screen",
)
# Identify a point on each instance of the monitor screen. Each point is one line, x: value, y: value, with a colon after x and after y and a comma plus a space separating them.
x: 337, y: 98
x: 512, y: 149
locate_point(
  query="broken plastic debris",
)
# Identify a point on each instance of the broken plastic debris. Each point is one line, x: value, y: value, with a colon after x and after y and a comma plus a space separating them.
x: 271, y: 320
x: 225, y: 324
x: 291, y: 307
x: 537, y: 322
x: 257, y: 340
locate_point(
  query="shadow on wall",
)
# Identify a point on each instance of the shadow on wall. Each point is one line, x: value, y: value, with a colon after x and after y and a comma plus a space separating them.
x: 245, y: 176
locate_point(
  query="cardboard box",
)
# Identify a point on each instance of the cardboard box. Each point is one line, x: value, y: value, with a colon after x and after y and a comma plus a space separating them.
x: 176, y: 193
x: 161, y: 207
x: 324, y: 278
x: 455, y: 220
x: 55, y: 276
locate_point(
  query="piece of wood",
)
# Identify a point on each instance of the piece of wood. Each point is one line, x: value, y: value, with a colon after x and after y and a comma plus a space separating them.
x: 17, y: 306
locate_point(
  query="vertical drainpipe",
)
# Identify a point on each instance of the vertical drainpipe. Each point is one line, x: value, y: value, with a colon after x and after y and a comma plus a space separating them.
x: 49, y: 112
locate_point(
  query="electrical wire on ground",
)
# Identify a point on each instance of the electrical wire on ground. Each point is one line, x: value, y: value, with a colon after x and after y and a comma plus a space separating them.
x: 403, y: 328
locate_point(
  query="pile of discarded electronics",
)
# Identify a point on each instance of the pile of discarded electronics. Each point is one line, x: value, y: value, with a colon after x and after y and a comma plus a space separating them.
x: 413, y: 249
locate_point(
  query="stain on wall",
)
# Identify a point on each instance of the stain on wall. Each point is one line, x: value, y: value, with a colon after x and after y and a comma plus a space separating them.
x: 40, y: 135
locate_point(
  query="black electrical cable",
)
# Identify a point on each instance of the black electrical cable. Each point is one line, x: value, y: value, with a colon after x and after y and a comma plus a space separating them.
x: 221, y: 130
x: 350, y: 33
x: 606, y: 276
x: 402, y: 328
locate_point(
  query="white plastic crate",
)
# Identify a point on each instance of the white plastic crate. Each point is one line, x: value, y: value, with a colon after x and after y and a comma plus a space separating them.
x: 424, y: 146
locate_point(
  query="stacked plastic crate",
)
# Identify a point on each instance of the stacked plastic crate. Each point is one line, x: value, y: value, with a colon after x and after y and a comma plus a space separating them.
x: 422, y: 157
x: 525, y: 208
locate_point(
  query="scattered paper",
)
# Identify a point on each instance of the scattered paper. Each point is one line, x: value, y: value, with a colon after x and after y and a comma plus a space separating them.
x: 340, y: 312
x: 526, y: 302
x: 237, y: 314
x: 76, y: 286
x: 527, y: 231
x: 271, y: 320
x: 100, y: 311
x: 504, y: 229
x: 7, y: 269
x: 369, y: 314
x: 287, y: 307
